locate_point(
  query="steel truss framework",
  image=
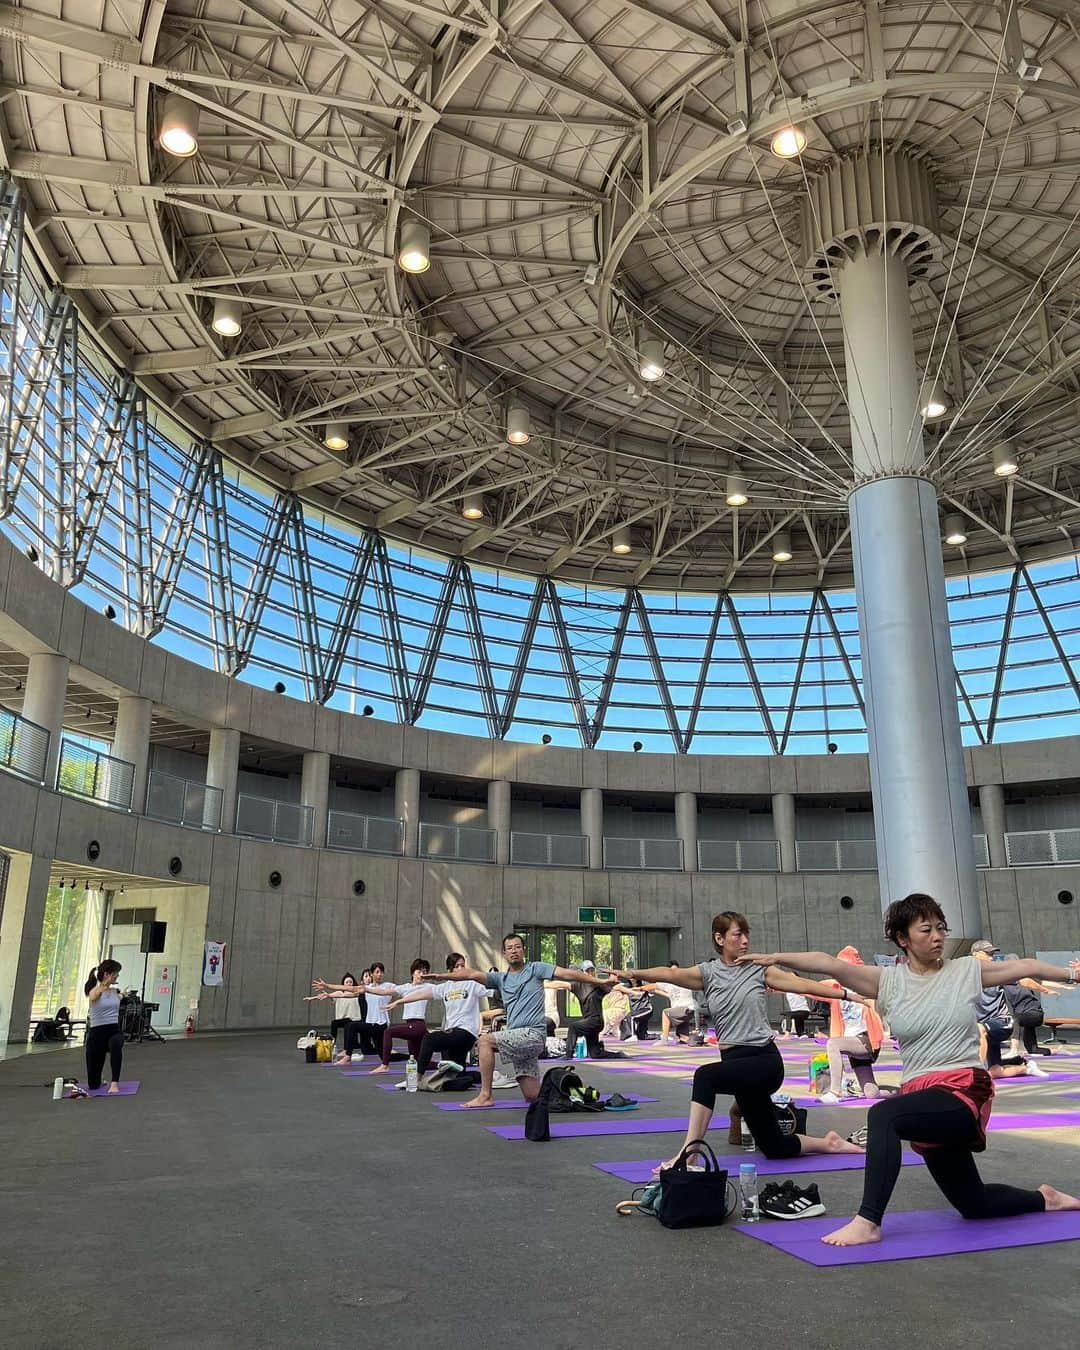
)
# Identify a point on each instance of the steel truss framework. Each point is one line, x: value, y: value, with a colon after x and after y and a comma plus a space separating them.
x: 188, y: 550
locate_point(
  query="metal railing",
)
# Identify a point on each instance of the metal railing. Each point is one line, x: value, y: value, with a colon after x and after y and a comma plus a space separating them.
x: 465, y: 843
x: 549, y: 850
x: 266, y: 818
x: 93, y: 774
x: 24, y: 746
x: 836, y: 855
x: 365, y: 834
x: 1041, y: 848
x: 183, y: 801
x: 738, y: 855
x: 643, y: 855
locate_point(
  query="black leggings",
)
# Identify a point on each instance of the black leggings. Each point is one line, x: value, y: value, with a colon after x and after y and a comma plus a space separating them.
x: 454, y: 1044
x: 341, y: 1022
x: 365, y: 1036
x: 934, y: 1116
x: 751, y: 1074
x: 799, y: 1019
x: 102, y: 1041
x: 590, y: 1028
x: 1028, y: 1027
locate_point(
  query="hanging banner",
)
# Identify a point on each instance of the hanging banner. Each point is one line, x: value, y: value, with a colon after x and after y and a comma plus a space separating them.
x: 213, y: 971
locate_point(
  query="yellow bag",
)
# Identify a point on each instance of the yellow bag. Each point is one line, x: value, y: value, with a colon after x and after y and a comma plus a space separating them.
x: 324, y: 1050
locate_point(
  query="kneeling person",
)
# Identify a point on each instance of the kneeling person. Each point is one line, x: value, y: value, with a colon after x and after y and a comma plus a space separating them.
x: 462, y: 1018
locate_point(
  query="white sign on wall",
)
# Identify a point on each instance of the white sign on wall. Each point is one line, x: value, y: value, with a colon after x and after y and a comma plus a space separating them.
x: 213, y: 972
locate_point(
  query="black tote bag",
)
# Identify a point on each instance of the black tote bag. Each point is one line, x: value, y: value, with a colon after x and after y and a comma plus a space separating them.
x: 693, y: 1198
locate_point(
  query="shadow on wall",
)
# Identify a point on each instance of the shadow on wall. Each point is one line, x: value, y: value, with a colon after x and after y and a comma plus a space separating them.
x: 468, y: 933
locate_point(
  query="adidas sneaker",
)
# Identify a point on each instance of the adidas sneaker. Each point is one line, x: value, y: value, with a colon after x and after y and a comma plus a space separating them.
x: 787, y: 1201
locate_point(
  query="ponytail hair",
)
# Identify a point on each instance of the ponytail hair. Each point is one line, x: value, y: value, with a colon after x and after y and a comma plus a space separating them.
x: 95, y: 976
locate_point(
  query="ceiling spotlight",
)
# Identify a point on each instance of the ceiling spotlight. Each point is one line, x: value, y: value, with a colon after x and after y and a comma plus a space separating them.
x: 651, y: 365
x: 179, y: 131
x: 781, y: 546
x: 336, y: 436
x: 788, y: 143
x: 638, y: 746
x: 1005, y: 461
x: 545, y: 739
x: 226, y: 319
x: 620, y: 539
x: 934, y: 402
x: 368, y: 710
x: 736, y: 490
x: 414, y: 246
x: 472, y: 507
x: 955, y: 534
x: 517, y: 424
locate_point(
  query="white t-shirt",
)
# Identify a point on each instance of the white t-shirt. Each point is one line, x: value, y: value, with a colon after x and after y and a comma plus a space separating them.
x: 461, y: 999
x: 854, y: 1015
x: 418, y: 1009
x: 376, y: 1009
x: 797, y: 1003
x: 933, y: 1016
x: 681, y: 1000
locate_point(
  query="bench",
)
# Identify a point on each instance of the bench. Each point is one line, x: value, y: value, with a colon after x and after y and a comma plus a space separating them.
x: 73, y: 1024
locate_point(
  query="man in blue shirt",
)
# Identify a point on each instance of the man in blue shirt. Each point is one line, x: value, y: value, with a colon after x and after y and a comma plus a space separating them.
x: 521, y: 986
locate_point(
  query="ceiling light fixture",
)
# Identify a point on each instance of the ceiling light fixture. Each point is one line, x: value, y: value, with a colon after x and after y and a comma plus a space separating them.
x: 788, y: 143
x: 620, y: 539
x: 934, y: 402
x: 472, y: 507
x: 414, y: 246
x: 736, y: 490
x: 517, y: 424
x: 1005, y: 460
x: 336, y: 436
x: 178, y: 134
x: 955, y: 534
x: 781, y: 546
x: 226, y: 319
x: 651, y: 364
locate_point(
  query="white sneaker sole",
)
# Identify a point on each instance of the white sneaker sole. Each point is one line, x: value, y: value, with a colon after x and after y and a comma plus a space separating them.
x: 810, y: 1212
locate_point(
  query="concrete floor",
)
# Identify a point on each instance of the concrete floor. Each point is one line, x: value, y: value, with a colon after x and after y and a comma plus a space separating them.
x: 245, y: 1199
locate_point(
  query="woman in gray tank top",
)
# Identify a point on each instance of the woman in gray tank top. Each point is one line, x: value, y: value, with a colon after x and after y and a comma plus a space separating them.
x: 751, y: 1068
x: 943, y: 1107
x: 103, y: 1034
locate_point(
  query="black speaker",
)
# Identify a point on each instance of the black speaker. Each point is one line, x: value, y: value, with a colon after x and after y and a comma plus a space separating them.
x: 153, y: 936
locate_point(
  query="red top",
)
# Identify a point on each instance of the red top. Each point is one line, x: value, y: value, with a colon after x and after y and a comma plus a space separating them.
x: 974, y: 1087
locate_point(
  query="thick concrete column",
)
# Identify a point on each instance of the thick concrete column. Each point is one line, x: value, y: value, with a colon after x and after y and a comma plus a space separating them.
x: 992, y: 810
x: 498, y: 818
x: 132, y: 743
x: 783, y: 815
x: 222, y: 767
x: 686, y: 828
x: 315, y: 792
x: 592, y: 825
x: 407, y: 808
x: 43, y: 702
x: 20, y: 940
x: 922, y: 821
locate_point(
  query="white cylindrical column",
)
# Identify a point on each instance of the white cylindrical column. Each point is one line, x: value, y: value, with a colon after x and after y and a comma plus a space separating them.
x: 132, y: 743
x: 407, y: 808
x: 222, y: 767
x: 498, y: 816
x: 783, y: 814
x: 43, y: 702
x: 686, y: 828
x: 315, y: 792
x: 592, y: 825
x: 992, y: 810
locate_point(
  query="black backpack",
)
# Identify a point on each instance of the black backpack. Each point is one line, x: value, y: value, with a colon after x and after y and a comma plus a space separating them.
x: 561, y: 1092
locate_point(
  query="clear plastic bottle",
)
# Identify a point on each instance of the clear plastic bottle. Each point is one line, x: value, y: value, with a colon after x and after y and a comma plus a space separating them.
x: 747, y: 1138
x: 411, y: 1075
x: 748, y: 1197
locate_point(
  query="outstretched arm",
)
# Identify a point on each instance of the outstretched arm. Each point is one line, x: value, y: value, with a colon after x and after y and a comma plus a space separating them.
x: 480, y: 976
x: 421, y: 994
x: 585, y: 977
x: 784, y: 982
x: 686, y: 977
x: 863, y: 979
x: 996, y: 973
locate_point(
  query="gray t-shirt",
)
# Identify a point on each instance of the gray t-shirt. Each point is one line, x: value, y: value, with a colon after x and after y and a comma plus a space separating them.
x: 933, y: 1016
x: 104, y: 1011
x: 522, y: 993
x: 736, y: 999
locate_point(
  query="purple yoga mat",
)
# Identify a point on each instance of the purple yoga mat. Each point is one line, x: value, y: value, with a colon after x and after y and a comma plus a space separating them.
x: 1034, y: 1120
x: 582, y: 1129
x: 128, y: 1089
x: 919, y: 1233
x: 520, y: 1106
x: 638, y: 1172
x: 999, y: 1083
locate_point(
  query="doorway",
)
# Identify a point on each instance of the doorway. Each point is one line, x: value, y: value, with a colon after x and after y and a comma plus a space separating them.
x: 621, y: 946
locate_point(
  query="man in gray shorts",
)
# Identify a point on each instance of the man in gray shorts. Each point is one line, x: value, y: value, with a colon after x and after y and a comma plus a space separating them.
x: 521, y: 986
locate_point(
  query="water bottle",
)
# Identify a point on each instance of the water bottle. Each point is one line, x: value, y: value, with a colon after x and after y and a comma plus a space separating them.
x: 748, y: 1193
x: 580, y: 1048
x: 57, y: 1089
x: 411, y: 1075
x: 746, y: 1138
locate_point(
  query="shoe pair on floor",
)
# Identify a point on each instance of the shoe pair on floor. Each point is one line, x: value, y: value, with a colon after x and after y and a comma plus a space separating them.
x: 784, y: 1200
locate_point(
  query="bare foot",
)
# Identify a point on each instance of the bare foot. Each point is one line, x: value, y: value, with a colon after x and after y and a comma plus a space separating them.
x: 479, y: 1100
x: 1058, y: 1199
x: 857, y: 1233
x: 380, y: 1068
x: 341, y: 1059
x: 829, y: 1143
x: 114, y: 1090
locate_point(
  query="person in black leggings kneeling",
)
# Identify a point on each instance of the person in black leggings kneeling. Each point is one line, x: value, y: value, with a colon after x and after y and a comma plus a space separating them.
x: 462, y: 1018
x: 103, y: 1034
x: 750, y: 1068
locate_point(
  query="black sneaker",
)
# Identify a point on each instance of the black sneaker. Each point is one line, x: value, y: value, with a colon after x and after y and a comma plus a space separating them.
x: 789, y: 1202
x: 773, y: 1190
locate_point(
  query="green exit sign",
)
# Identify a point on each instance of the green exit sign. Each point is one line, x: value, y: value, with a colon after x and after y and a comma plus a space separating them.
x: 590, y: 915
